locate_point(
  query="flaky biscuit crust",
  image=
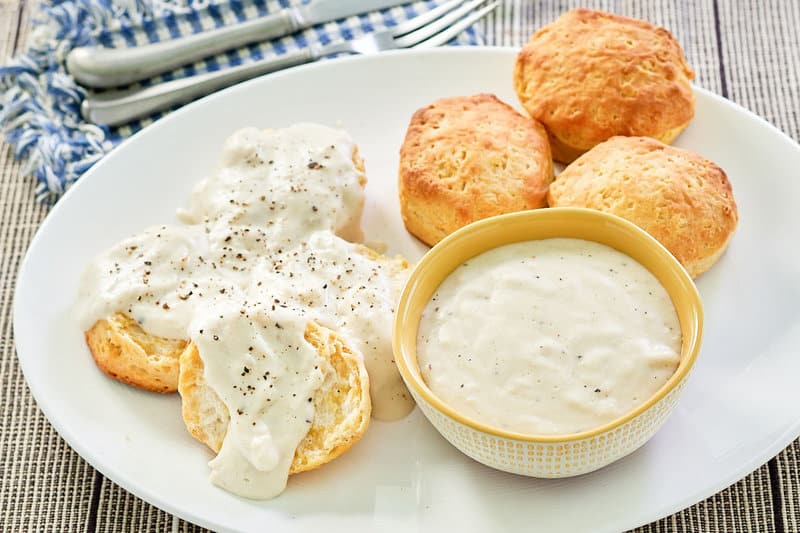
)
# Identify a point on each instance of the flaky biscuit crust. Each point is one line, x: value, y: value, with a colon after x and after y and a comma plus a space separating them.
x: 682, y: 199
x: 125, y: 352
x: 467, y: 158
x: 591, y: 75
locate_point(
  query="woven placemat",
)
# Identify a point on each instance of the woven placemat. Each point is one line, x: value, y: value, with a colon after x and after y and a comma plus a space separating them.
x: 746, y: 51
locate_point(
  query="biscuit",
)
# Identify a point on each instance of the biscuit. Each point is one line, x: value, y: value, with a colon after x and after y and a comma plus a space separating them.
x: 342, y: 404
x: 124, y: 351
x: 591, y: 75
x: 467, y: 158
x: 680, y: 198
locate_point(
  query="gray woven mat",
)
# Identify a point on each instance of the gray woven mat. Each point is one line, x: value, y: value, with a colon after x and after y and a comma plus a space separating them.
x: 746, y: 51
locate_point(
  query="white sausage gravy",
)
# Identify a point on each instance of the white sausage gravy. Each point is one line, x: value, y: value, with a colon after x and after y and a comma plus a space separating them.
x: 546, y: 337
x: 265, y: 249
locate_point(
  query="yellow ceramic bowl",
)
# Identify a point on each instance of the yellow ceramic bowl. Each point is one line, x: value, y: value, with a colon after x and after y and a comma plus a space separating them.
x: 546, y: 455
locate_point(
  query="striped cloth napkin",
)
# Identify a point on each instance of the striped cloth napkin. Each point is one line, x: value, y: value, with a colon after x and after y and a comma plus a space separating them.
x: 40, y: 103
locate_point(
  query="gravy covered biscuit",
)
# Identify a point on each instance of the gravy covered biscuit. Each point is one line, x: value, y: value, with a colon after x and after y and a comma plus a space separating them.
x: 591, y: 75
x: 341, y: 404
x: 467, y: 158
x: 285, y: 320
x: 678, y: 197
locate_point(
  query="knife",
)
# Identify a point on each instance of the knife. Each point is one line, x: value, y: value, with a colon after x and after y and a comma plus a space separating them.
x: 98, y: 67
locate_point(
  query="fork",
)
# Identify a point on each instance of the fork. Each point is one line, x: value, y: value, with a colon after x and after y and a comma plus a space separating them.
x: 433, y: 28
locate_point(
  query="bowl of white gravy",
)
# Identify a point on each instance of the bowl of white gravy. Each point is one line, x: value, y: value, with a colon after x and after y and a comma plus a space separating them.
x: 550, y: 342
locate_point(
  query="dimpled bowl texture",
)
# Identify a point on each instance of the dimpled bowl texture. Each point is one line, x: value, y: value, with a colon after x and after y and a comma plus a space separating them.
x: 547, y: 456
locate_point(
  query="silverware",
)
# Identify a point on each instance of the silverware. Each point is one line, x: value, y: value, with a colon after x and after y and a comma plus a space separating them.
x: 98, y: 67
x: 431, y: 29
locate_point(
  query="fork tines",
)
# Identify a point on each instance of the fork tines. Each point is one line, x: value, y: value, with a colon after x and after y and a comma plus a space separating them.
x: 440, y: 24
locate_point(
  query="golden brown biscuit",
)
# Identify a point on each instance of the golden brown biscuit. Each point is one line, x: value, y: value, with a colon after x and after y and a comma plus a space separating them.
x: 591, y: 75
x: 124, y: 351
x: 678, y: 197
x: 467, y: 158
x: 342, y: 404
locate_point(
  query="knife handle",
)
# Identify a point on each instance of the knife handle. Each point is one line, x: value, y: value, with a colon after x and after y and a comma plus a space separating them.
x: 98, y: 67
x: 118, y: 107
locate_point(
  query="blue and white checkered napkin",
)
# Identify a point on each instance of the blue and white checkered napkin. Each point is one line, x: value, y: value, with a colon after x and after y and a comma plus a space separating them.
x: 40, y: 102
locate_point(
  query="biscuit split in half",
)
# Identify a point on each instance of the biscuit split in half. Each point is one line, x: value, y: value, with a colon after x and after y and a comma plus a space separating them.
x: 466, y: 158
x: 591, y: 75
x: 342, y: 405
x: 126, y: 352
x: 682, y: 199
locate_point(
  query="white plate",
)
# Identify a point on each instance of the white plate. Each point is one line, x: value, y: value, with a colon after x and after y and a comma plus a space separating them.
x: 739, y: 409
